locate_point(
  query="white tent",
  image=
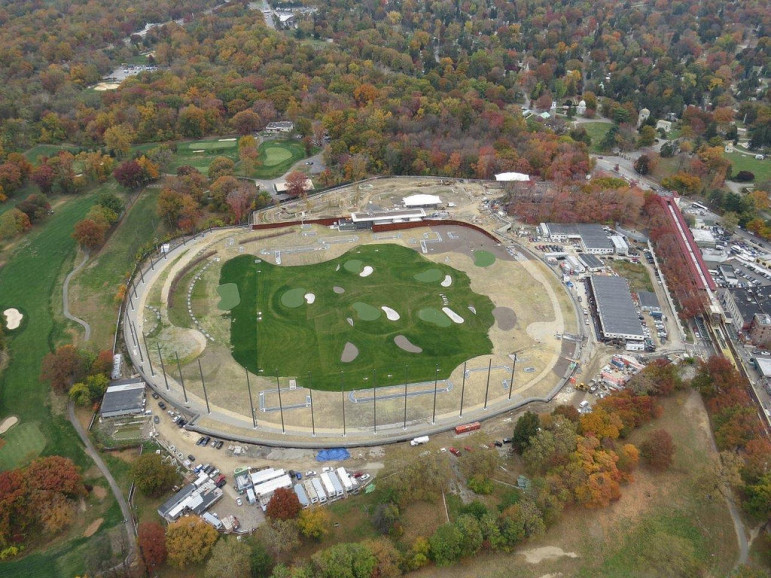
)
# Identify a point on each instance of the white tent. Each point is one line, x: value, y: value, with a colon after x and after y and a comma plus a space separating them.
x: 512, y: 177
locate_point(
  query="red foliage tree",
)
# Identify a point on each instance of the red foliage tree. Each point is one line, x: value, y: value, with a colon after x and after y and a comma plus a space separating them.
x: 55, y: 474
x: 14, y: 517
x: 44, y: 177
x: 284, y: 505
x: 151, y: 539
x: 240, y: 201
x: 102, y: 364
x: 63, y: 368
x: 90, y: 234
x: 658, y: 450
x: 295, y: 183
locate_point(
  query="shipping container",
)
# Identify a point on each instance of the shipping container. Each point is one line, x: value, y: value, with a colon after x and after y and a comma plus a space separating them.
x: 459, y: 429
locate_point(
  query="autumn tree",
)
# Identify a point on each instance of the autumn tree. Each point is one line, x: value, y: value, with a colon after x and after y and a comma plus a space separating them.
x: 314, y: 522
x: 90, y: 234
x: 295, y: 184
x: 658, y: 450
x: 220, y: 167
x: 118, y: 139
x: 246, y: 122
x: 284, y: 505
x: 36, y: 207
x: 240, y: 201
x: 67, y: 365
x: 229, y: 557
x: 152, y: 476
x: 388, y: 558
x: 189, y: 541
x: 151, y: 540
x: 280, y: 537
x: 446, y: 544
x: 12, y: 223
x: 354, y: 560
x: 43, y: 176
x: 525, y: 428
x: 136, y: 173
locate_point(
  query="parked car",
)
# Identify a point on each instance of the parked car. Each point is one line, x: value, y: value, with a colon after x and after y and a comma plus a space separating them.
x: 161, y: 405
x: 455, y: 451
x: 191, y: 457
x: 365, y: 477
x: 219, y: 444
x: 356, y: 475
x: 155, y: 395
x: 327, y: 469
x: 156, y: 419
x: 239, y: 502
x: 181, y: 422
x: 200, y: 441
x: 498, y: 443
x: 468, y: 449
x: 221, y: 483
x: 310, y: 473
x: 298, y: 475
x: 507, y: 440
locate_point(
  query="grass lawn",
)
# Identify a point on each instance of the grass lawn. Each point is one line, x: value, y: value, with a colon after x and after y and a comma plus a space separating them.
x: 596, y: 131
x: 28, y: 281
x: 276, y: 158
x: 23, y: 443
x: 94, y: 288
x: 635, y: 273
x: 305, y: 323
x: 740, y: 162
x: 201, y: 153
x: 37, y: 152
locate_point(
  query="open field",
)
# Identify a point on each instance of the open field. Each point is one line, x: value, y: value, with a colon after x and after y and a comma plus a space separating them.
x: 93, y: 289
x: 326, y: 306
x: 741, y: 162
x: 676, y: 519
x: 636, y: 273
x: 596, y: 131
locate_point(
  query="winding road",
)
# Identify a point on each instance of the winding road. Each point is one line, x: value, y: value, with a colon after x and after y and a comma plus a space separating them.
x: 66, y: 300
x: 128, y: 520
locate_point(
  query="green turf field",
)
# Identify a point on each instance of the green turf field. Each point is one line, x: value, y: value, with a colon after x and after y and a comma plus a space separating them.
x: 229, y: 296
x: 276, y: 158
x: 23, y: 443
x: 483, y: 258
x: 744, y: 162
x: 297, y: 336
x: 201, y: 153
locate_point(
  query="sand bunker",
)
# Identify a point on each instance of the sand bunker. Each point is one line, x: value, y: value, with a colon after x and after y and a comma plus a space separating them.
x: 505, y: 318
x: 403, y: 343
x: 447, y: 281
x: 12, y: 318
x: 366, y: 272
x: 8, y: 423
x: 338, y: 290
x: 391, y: 314
x: 309, y: 298
x: 349, y: 320
x: 92, y: 528
x: 226, y: 140
x: 452, y: 315
x: 350, y: 352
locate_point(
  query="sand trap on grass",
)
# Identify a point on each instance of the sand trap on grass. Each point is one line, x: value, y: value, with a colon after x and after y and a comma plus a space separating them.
x: 350, y: 352
x: 13, y: 318
x: 226, y: 140
x: 403, y: 343
x: 338, y: 290
x: 199, y: 151
x: 93, y: 527
x: 452, y: 315
x: 8, y: 423
x: 349, y: 320
x: 309, y: 298
x: 447, y: 281
x: 391, y: 314
x: 366, y: 272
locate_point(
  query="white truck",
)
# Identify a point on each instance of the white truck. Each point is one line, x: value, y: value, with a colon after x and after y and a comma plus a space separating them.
x: 419, y: 441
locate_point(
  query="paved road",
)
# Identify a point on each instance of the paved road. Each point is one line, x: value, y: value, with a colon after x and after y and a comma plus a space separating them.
x: 66, y: 300
x: 91, y: 451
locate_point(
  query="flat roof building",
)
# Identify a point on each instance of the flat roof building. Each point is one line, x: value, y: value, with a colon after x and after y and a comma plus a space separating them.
x: 365, y: 220
x: 591, y: 262
x: 704, y: 238
x: 593, y: 238
x: 615, y: 308
x: 414, y: 201
x: 124, y: 397
x: 648, y: 301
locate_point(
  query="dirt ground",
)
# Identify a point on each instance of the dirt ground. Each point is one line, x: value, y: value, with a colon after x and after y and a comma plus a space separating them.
x: 525, y: 286
x: 92, y: 528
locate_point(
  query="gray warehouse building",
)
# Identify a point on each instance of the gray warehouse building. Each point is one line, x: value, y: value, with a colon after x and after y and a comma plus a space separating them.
x: 616, y: 310
x: 124, y: 397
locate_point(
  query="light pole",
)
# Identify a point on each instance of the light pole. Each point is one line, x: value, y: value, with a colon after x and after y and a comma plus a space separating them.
x: 462, y: 390
x: 436, y: 380
x: 280, y: 405
x: 405, y: 397
x: 342, y: 399
x: 374, y: 403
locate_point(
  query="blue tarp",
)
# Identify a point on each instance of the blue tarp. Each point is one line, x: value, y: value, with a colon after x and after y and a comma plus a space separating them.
x: 332, y: 455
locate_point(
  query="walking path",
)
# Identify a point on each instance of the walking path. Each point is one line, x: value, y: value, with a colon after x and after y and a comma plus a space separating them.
x: 128, y: 520
x: 66, y: 300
